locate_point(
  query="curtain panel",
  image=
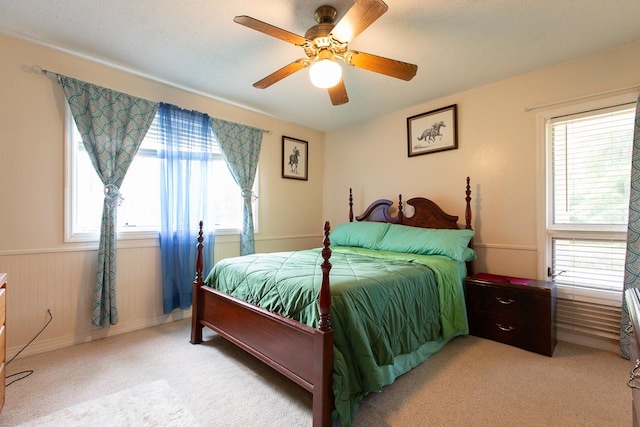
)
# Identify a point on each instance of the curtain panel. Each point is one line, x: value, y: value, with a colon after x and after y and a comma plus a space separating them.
x: 112, y: 125
x: 632, y: 259
x: 186, y: 155
x: 241, y: 151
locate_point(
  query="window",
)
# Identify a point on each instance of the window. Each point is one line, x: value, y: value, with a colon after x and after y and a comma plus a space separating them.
x: 139, y: 213
x: 588, y: 178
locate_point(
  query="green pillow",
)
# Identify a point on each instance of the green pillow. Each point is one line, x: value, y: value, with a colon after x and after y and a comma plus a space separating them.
x: 427, y: 241
x: 469, y: 254
x: 359, y: 234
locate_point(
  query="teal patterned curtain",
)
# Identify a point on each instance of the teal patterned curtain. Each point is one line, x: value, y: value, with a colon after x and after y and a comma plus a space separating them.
x: 112, y: 125
x: 241, y: 151
x: 632, y: 261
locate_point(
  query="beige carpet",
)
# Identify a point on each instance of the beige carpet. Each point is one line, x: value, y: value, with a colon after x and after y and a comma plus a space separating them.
x: 146, y: 405
x: 471, y: 382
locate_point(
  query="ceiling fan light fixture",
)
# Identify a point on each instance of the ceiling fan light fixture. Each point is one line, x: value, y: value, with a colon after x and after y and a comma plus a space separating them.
x: 325, y: 73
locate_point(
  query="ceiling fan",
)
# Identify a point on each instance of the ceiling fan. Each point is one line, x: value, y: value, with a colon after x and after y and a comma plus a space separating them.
x: 325, y: 43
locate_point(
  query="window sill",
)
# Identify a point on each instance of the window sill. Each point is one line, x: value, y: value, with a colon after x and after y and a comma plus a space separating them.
x: 87, y: 237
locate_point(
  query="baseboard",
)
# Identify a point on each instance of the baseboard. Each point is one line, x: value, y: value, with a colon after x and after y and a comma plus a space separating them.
x: 43, y: 346
x: 589, y: 341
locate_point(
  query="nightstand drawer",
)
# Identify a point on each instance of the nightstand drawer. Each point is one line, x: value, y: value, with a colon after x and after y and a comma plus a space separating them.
x: 3, y: 305
x: 508, y: 302
x: 525, y: 334
x: 3, y: 343
x: 2, y: 384
x: 3, y: 335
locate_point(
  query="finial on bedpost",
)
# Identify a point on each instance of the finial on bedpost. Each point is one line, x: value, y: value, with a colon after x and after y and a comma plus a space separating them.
x: 350, y: 206
x: 196, y: 303
x: 199, y: 262
x: 325, y: 292
x: 400, y: 211
x: 467, y: 212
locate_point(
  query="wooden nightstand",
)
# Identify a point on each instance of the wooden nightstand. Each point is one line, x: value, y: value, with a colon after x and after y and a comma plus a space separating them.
x: 519, y: 312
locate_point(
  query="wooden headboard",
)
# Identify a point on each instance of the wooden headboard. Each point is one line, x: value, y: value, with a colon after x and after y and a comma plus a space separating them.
x: 427, y: 214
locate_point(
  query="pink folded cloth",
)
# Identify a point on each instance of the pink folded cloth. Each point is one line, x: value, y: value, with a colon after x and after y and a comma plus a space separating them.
x: 499, y: 278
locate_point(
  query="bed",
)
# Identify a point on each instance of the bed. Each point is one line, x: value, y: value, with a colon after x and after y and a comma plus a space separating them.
x: 335, y: 337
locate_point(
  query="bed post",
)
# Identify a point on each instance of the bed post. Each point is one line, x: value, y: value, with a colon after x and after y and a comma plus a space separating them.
x: 467, y: 212
x: 196, y: 305
x: 325, y: 292
x: 350, y: 206
x: 323, y: 384
x: 467, y: 217
x: 400, y: 211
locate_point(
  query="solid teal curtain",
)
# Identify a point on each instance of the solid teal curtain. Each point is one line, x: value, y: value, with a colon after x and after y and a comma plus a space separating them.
x: 241, y: 151
x: 112, y: 125
x: 632, y: 260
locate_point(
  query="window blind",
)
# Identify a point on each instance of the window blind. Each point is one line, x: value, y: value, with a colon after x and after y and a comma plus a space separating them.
x: 590, y: 168
x: 191, y: 140
x: 589, y: 270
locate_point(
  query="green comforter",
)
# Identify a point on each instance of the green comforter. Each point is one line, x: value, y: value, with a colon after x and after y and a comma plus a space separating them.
x: 390, y: 311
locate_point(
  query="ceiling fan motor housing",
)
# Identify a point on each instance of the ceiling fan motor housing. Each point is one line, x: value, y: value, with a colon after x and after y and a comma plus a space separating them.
x: 320, y: 36
x: 319, y: 31
x: 325, y: 14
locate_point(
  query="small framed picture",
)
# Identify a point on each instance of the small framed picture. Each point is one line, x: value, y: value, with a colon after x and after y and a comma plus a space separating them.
x: 295, y: 158
x: 434, y: 131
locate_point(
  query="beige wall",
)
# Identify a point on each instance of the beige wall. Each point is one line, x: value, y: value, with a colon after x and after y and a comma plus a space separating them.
x: 46, y: 273
x: 498, y: 149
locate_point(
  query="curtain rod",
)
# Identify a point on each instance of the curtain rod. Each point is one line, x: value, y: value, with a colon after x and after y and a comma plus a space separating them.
x: 39, y: 70
x: 607, y: 92
x: 43, y: 71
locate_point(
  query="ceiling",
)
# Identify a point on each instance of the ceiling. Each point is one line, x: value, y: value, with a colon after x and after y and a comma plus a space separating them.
x: 194, y: 44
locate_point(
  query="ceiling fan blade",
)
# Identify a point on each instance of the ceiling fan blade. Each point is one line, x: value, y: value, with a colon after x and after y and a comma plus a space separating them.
x: 270, y: 30
x: 378, y: 64
x: 362, y: 14
x: 283, y: 72
x: 338, y: 94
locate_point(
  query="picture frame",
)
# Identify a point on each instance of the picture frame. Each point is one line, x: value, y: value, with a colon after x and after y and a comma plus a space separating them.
x: 295, y: 158
x: 432, y: 131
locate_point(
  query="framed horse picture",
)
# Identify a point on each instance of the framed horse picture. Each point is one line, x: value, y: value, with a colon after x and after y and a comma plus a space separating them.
x: 295, y: 158
x: 434, y: 131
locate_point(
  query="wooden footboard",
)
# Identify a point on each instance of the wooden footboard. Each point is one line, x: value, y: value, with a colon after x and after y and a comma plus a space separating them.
x: 301, y: 353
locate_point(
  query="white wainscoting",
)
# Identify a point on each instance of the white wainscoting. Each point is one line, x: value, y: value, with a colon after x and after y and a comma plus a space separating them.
x: 517, y: 261
x: 63, y: 281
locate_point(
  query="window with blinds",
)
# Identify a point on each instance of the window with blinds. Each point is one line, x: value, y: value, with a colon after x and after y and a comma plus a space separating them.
x: 139, y: 212
x: 590, y: 161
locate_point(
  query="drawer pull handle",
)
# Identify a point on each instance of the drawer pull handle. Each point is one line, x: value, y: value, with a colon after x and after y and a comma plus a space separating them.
x: 629, y: 328
x: 505, y: 302
x: 506, y: 329
x: 635, y: 375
